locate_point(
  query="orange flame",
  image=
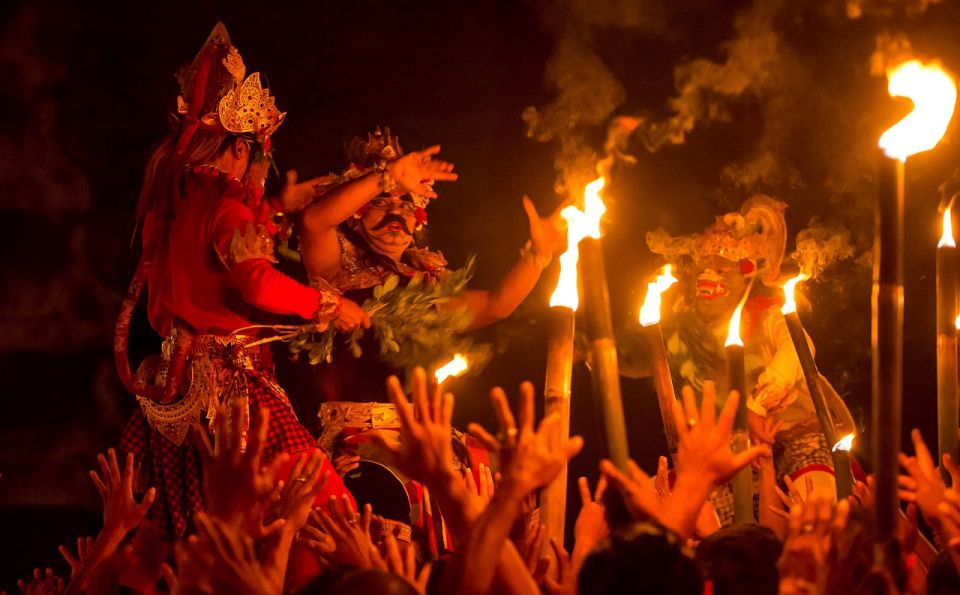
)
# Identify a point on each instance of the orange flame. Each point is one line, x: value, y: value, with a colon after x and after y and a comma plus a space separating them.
x: 789, y: 303
x: 733, y: 333
x: 650, y: 311
x: 956, y: 322
x: 580, y: 224
x: 946, y: 239
x: 455, y: 367
x: 934, y: 96
x: 845, y: 443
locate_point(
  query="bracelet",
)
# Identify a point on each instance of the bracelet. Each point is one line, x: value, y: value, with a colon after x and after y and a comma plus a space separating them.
x: 529, y: 252
x: 387, y: 183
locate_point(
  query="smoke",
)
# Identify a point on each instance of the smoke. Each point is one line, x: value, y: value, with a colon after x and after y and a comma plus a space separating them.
x: 819, y: 246
x: 705, y: 87
x: 586, y: 90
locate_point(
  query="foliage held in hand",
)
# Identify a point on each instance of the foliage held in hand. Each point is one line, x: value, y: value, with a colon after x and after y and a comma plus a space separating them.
x: 415, y: 324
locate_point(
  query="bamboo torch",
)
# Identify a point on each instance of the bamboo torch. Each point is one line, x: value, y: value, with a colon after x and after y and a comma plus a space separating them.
x: 603, y: 350
x: 662, y: 381
x: 947, y: 414
x: 934, y: 95
x: 843, y: 475
x: 556, y: 391
x: 736, y: 380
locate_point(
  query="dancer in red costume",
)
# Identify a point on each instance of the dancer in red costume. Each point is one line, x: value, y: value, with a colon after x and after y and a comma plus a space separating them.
x: 207, y: 260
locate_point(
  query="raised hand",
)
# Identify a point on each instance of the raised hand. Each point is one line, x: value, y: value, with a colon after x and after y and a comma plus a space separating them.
x: 404, y: 564
x: 297, y: 494
x: 221, y: 558
x: 426, y: 451
x: 84, y: 545
x: 415, y: 171
x: 482, y: 493
x: 45, y: 583
x: 591, y: 526
x: 637, y: 489
x: 348, y: 533
x: 924, y: 479
x: 813, y: 527
x: 121, y: 512
x: 238, y: 490
x: 344, y: 464
x: 296, y: 196
x: 530, y: 459
x: 546, y: 233
x: 565, y: 582
x: 704, y: 449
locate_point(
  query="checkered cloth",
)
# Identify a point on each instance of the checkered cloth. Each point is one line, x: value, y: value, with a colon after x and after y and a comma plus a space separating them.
x: 175, y: 470
x: 792, y: 457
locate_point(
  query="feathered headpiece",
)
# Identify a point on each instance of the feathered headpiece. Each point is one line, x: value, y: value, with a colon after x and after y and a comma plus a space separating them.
x: 215, y: 95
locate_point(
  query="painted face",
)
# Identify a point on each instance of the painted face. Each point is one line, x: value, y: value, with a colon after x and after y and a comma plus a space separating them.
x: 388, y: 224
x: 719, y: 286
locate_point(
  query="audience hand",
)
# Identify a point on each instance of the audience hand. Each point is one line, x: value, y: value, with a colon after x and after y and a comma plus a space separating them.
x: 121, y: 512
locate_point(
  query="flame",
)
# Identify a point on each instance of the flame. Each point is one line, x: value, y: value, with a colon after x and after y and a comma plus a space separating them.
x: 845, y: 443
x: 789, y: 303
x: 934, y: 95
x: 956, y: 322
x: 733, y: 334
x: 650, y: 311
x: 455, y: 367
x: 946, y: 239
x: 580, y: 224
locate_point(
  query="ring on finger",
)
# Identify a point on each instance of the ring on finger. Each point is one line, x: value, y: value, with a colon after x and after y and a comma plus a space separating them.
x: 692, y: 423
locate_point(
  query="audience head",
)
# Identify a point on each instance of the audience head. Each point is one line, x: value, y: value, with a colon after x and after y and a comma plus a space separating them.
x: 741, y: 560
x: 639, y: 558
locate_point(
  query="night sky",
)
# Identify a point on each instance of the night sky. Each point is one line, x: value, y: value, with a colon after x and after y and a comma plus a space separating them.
x: 735, y: 98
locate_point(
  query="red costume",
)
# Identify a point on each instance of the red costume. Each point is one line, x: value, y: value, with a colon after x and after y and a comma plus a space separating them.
x: 207, y: 263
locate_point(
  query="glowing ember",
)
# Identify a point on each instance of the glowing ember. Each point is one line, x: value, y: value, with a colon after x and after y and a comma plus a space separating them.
x: 934, y: 95
x: 455, y: 367
x: 580, y: 224
x: 947, y: 238
x: 845, y: 443
x: 733, y: 334
x: 650, y: 311
x: 789, y: 303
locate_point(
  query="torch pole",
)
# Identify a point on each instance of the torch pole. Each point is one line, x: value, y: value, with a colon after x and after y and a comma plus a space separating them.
x: 843, y: 475
x: 603, y: 349
x: 556, y: 399
x: 743, y: 480
x: 947, y: 414
x: 663, y: 383
x: 887, y: 343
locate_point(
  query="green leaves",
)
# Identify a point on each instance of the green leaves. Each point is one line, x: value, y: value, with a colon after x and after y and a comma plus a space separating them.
x: 417, y: 324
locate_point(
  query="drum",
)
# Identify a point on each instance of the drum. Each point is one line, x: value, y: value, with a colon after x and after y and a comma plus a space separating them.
x: 404, y: 503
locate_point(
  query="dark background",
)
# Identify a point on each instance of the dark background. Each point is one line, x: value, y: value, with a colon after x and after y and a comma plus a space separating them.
x: 779, y: 96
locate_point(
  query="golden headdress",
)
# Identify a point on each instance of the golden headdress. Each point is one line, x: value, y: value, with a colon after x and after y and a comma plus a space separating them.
x: 215, y: 95
x: 372, y: 154
x: 756, y: 233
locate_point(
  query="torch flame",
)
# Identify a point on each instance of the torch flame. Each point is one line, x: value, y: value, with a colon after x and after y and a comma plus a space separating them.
x: 580, y: 224
x: 455, y: 367
x: 946, y: 239
x: 789, y: 303
x: 845, y: 443
x: 733, y: 334
x: 934, y: 95
x: 956, y: 322
x: 650, y: 311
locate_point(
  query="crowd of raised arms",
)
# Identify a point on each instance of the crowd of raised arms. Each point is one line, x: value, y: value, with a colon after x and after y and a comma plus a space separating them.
x: 634, y: 533
x: 244, y: 472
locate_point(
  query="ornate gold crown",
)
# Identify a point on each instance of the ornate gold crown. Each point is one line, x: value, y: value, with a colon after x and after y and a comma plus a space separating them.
x: 227, y: 100
x: 379, y: 147
x: 757, y: 232
x: 373, y: 153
